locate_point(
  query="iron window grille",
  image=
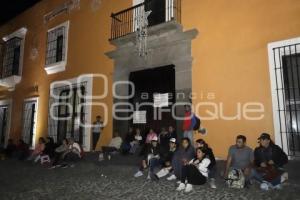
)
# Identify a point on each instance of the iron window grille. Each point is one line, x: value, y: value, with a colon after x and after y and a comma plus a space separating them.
x: 29, y: 121
x: 69, y: 119
x: 11, y: 57
x: 56, y: 45
x: 287, y: 75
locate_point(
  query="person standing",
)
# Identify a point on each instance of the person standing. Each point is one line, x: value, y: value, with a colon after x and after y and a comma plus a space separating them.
x: 96, y: 131
x: 187, y: 124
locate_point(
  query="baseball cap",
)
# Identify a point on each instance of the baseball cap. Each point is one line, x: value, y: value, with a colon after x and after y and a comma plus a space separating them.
x: 264, y: 136
x: 173, y: 140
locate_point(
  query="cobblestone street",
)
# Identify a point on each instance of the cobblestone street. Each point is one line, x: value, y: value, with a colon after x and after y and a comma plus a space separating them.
x: 114, y: 180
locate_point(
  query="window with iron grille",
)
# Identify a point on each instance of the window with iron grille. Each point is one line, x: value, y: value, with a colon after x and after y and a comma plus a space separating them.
x: 56, y: 45
x: 286, y: 95
x: 69, y: 118
x: 29, y: 121
x: 11, y: 57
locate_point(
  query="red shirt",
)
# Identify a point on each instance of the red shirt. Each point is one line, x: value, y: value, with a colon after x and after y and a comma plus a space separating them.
x: 187, y: 123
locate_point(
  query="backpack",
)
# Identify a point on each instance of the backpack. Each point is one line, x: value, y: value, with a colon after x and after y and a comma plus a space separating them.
x: 236, y: 179
x: 195, y: 122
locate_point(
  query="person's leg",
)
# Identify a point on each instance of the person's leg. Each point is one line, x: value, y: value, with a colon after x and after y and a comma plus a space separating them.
x: 153, y: 163
x: 95, y: 139
x: 194, y: 177
x: 189, y: 134
x: 56, y: 158
x: 256, y: 175
x: 184, y: 173
x: 212, y: 177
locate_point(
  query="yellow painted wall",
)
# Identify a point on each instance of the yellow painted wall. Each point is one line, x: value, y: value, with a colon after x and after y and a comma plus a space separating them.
x: 88, y: 41
x: 230, y: 57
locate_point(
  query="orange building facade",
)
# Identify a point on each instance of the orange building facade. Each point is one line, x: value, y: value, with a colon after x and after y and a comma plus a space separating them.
x: 226, y: 57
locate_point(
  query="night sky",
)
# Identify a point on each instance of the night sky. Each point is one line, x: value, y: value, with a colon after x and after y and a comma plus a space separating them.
x: 11, y: 8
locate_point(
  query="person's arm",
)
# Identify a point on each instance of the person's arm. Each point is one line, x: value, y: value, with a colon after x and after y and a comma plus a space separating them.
x: 228, y: 163
x: 279, y: 157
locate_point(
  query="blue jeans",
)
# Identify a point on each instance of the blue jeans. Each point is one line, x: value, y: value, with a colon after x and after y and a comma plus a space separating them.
x: 189, y: 134
x: 259, y: 177
x: 153, y: 163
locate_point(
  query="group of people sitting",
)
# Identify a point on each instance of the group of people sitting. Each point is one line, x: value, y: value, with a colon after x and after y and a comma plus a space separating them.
x: 46, y: 151
x: 195, y: 164
x: 188, y: 162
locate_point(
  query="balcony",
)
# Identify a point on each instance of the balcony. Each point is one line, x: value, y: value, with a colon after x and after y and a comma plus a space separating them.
x: 10, y: 62
x: 126, y: 21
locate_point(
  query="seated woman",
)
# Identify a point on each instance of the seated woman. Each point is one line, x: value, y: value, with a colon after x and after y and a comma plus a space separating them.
x: 49, y: 147
x: 194, y: 172
x: 137, y: 141
x: 113, y: 146
x: 58, y: 153
x: 185, y: 153
x: 73, y: 154
x: 150, y: 158
x: 212, y: 166
x: 129, y: 138
x: 151, y: 134
x: 38, y: 151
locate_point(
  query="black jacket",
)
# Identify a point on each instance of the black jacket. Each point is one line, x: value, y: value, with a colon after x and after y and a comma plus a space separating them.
x: 151, y: 150
x: 273, y: 152
x: 211, y: 156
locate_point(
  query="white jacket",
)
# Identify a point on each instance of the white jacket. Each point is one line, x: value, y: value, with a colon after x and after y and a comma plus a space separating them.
x: 202, y: 166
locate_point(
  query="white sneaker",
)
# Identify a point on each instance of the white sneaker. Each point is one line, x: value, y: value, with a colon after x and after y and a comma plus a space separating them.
x: 163, y: 172
x: 212, y: 183
x: 284, y: 177
x: 264, y: 186
x: 171, y: 178
x: 138, y: 174
x: 101, y: 157
x: 188, y: 188
x: 180, y: 187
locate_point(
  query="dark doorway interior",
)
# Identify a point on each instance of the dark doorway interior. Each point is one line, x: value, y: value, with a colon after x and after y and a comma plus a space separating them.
x: 148, y: 82
x: 158, y: 14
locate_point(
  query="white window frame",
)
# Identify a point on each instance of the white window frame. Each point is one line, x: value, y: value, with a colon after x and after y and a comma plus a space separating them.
x: 11, y: 81
x: 8, y: 103
x: 88, y: 103
x: 36, y: 99
x: 59, y: 66
x: 280, y: 140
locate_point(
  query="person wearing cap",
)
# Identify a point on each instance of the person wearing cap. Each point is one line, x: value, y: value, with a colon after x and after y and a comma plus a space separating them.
x: 166, y: 159
x: 269, y: 159
x: 151, y: 158
x: 240, y: 157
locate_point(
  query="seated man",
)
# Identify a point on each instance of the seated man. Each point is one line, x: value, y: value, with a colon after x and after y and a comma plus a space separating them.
x: 73, y: 154
x: 113, y: 146
x: 150, y: 158
x: 166, y: 159
x: 240, y: 157
x: 269, y: 160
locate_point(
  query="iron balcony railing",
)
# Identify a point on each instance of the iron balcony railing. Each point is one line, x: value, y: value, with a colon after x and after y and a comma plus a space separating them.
x: 125, y: 21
